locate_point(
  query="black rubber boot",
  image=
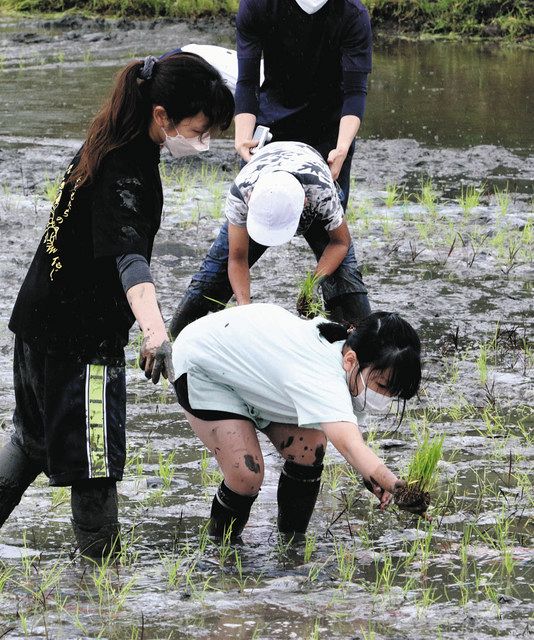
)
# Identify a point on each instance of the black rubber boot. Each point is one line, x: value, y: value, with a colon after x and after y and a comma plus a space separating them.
x: 17, y: 472
x: 350, y: 308
x: 229, y: 509
x: 298, y: 489
x: 95, y: 517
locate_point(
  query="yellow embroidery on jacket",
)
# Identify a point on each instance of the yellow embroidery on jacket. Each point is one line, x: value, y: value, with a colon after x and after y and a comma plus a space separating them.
x: 54, y: 223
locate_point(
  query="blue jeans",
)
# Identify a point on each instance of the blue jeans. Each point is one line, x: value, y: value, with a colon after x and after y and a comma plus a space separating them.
x: 344, y: 292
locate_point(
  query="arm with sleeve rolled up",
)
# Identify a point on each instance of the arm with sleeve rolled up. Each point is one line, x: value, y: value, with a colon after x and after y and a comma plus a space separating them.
x: 347, y: 439
x: 136, y: 279
x: 238, y: 269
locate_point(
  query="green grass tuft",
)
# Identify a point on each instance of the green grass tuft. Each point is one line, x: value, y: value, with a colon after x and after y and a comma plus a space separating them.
x: 422, y: 469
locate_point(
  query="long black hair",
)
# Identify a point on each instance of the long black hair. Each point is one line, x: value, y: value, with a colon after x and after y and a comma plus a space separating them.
x: 183, y: 83
x: 383, y: 342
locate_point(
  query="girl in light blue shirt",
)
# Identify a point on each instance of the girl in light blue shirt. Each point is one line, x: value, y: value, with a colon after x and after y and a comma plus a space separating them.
x: 260, y: 367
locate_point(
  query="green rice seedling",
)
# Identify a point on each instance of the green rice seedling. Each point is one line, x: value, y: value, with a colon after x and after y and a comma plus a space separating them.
x: 384, y: 574
x: 393, y: 194
x: 59, y: 496
x: 111, y: 591
x: 316, y: 631
x: 60, y: 57
x: 482, y: 363
x: 309, y: 304
x: 470, y: 198
x: 494, y: 423
x: 427, y: 198
x: 224, y: 547
x: 369, y: 633
x: 208, y: 477
x: 218, y: 201
x: 87, y: 56
x: 421, y: 473
x: 346, y: 562
x: 503, y: 200
x: 310, y: 546
x: 51, y: 188
x: 387, y: 227
x: 332, y: 475
x: 243, y: 582
x: 427, y: 597
x: 5, y: 575
x: 314, y: 572
x: 165, y: 468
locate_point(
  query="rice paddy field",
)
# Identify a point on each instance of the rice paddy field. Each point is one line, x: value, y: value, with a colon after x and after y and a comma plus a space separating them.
x: 442, y: 218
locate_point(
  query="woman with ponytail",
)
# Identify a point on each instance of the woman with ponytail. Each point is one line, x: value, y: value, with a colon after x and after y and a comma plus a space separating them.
x: 299, y: 381
x: 90, y: 280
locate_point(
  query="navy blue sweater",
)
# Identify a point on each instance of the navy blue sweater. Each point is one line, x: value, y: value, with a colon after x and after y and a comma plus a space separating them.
x: 316, y: 65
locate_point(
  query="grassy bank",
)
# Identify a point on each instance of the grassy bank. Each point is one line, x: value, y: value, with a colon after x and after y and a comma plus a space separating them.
x: 511, y: 19
x: 122, y: 8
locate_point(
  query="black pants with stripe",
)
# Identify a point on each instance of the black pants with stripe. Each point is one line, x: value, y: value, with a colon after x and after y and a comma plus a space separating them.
x: 69, y: 423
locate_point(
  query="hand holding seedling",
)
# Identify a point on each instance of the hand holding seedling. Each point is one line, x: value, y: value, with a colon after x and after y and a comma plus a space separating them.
x: 413, y: 495
x: 383, y: 496
x: 156, y: 361
x: 309, y: 303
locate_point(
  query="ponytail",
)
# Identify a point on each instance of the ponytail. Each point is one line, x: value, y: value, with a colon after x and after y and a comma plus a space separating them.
x: 184, y: 84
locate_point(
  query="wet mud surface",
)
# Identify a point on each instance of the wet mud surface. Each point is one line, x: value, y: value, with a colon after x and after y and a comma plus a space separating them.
x: 460, y: 271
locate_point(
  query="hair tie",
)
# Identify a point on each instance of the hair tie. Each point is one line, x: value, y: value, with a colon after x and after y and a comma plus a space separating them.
x: 148, y: 68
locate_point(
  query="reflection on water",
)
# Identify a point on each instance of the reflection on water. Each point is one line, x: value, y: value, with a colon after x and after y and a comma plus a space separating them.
x: 452, y: 94
x: 441, y: 94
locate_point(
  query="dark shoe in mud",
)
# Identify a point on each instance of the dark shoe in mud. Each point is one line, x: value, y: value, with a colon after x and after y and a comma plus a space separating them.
x: 100, y: 543
x: 412, y: 499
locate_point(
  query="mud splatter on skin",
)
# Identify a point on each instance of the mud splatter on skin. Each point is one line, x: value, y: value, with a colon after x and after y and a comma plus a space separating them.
x: 251, y: 464
x: 319, y: 455
x: 285, y: 445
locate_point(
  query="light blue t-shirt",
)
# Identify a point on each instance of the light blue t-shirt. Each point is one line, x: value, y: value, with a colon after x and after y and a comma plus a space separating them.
x: 261, y: 361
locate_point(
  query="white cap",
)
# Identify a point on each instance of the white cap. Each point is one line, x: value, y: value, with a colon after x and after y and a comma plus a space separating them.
x: 274, y: 208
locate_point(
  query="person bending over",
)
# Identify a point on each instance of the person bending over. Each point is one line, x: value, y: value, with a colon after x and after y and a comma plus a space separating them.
x: 260, y: 367
x: 286, y: 189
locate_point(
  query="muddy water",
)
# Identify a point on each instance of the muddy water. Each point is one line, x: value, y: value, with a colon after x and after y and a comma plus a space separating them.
x: 463, y: 277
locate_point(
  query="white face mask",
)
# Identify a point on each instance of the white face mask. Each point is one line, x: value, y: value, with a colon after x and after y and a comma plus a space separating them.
x: 371, y: 400
x: 311, y: 6
x: 180, y: 147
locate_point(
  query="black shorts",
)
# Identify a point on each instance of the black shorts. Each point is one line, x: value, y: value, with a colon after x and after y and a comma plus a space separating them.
x: 69, y: 417
x: 180, y: 386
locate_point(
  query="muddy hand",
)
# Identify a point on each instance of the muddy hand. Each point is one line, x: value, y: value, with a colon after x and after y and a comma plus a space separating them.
x: 156, y: 361
x: 413, y: 501
x: 384, y: 496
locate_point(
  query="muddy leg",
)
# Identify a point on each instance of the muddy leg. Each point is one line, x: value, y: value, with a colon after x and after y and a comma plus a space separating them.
x: 95, y: 516
x: 17, y: 472
x: 235, y: 445
x: 300, y: 480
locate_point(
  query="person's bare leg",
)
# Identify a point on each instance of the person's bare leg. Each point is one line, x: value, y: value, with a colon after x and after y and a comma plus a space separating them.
x: 235, y: 445
x: 300, y: 480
